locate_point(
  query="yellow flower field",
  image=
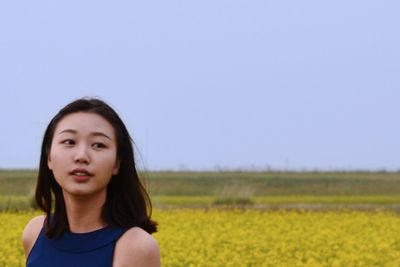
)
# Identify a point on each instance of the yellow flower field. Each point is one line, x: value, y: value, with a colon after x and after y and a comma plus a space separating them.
x: 189, y: 237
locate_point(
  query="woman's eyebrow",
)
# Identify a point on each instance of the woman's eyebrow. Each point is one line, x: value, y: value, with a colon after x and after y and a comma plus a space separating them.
x: 93, y: 133
x: 68, y: 131
x: 100, y: 134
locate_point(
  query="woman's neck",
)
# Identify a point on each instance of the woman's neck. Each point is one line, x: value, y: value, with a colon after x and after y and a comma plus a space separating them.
x: 84, y: 212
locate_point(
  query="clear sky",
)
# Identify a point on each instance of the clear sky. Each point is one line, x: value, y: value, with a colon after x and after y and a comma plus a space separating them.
x: 210, y: 84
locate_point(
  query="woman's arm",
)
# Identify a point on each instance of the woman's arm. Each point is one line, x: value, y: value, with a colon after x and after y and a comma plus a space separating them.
x: 136, y: 248
x: 31, y: 233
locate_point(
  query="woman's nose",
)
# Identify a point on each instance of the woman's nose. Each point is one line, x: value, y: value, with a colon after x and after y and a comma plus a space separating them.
x: 82, y: 155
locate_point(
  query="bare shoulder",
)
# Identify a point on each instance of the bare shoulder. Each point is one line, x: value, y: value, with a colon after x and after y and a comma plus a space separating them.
x: 136, y: 248
x: 31, y: 233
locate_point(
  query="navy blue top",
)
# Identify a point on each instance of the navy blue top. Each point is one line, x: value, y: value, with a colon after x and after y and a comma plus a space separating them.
x: 75, y: 249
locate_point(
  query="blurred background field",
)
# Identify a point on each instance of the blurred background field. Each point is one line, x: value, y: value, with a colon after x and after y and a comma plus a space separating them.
x: 249, y: 237
x: 248, y: 218
x: 267, y: 190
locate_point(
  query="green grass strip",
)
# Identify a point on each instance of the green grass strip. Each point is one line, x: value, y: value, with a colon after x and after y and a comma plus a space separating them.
x: 208, y: 200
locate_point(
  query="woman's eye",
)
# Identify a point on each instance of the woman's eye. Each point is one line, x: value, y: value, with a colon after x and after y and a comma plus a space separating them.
x: 68, y: 142
x: 99, y: 145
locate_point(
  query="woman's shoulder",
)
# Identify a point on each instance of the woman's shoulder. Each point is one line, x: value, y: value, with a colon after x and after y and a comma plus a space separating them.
x: 31, y: 233
x: 138, y: 248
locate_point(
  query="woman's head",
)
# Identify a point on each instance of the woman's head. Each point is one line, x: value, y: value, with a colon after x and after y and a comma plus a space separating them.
x: 79, y: 134
x: 83, y: 155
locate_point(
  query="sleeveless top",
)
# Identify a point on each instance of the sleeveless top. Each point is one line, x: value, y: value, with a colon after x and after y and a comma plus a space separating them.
x: 94, y: 248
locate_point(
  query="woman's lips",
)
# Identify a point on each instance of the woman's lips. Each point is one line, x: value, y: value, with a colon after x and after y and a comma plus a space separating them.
x: 81, y: 175
x: 81, y: 178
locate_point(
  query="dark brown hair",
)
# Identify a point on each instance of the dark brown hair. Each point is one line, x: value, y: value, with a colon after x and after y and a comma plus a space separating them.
x: 127, y: 203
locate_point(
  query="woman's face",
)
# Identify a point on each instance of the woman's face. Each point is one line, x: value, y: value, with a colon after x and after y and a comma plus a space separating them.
x: 83, y: 154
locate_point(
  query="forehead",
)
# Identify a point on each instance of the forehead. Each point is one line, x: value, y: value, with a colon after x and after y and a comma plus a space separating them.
x: 85, y: 123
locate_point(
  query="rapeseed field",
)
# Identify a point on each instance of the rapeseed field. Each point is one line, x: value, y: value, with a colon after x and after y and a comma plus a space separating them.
x: 216, y: 237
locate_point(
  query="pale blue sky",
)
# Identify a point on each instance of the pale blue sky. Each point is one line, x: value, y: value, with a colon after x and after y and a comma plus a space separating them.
x: 201, y: 84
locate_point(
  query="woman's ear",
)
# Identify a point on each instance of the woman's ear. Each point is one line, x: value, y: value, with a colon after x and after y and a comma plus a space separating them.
x: 116, y: 167
x: 49, y: 163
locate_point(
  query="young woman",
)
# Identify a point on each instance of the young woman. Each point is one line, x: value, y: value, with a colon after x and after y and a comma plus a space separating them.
x: 97, y: 212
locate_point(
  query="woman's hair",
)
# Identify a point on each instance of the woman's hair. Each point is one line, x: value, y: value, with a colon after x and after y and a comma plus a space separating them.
x: 127, y: 203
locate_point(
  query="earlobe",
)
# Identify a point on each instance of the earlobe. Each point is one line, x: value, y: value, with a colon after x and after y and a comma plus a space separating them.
x: 116, y: 168
x: 49, y: 164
